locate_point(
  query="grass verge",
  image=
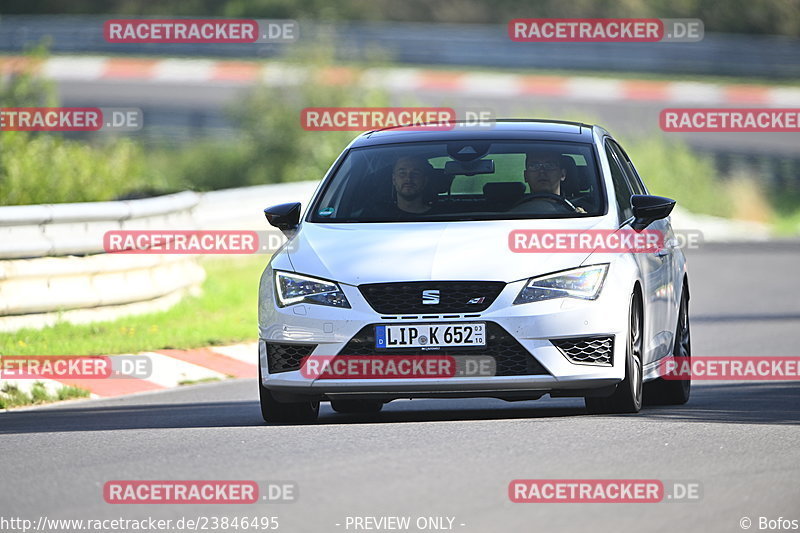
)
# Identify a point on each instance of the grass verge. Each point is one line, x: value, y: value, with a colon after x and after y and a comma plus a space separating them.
x: 196, y: 381
x: 11, y: 395
x: 225, y: 313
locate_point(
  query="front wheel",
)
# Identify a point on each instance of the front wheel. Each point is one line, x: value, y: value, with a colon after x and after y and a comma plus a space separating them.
x: 675, y: 391
x: 627, y: 398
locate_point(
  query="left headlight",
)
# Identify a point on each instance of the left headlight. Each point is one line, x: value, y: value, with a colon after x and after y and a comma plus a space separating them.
x: 295, y: 289
x: 584, y: 282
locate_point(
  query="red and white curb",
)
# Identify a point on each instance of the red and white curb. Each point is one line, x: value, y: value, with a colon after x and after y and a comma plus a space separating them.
x: 169, y: 369
x: 467, y: 83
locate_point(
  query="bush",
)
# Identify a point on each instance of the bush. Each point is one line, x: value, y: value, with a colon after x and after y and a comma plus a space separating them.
x: 48, y: 168
x: 672, y: 169
x: 272, y: 146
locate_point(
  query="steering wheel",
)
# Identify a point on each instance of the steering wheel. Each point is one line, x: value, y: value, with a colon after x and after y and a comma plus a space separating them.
x: 546, y: 196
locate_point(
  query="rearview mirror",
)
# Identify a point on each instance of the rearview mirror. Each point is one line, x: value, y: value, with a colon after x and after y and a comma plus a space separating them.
x: 648, y: 208
x: 284, y: 216
x: 469, y: 168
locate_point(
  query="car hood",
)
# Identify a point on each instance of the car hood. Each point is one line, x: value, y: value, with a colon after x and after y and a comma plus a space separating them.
x: 356, y: 253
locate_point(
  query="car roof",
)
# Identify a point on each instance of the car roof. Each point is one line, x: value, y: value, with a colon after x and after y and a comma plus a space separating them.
x: 501, y: 129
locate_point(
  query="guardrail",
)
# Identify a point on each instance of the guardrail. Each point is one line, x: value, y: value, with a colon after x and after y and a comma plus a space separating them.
x: 53, y: 266
x: 443, y: 44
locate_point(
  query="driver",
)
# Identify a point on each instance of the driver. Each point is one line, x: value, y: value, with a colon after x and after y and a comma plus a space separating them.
x: 544, y: 173
x: 410, y: 177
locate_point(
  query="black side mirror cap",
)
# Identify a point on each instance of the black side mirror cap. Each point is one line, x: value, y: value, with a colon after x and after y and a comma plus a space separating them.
x: 284, y: 216
x: 648, y: 208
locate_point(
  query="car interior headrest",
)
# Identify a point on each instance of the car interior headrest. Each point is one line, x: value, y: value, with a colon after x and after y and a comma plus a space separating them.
x: 438, y: 182
x: 571, y: 184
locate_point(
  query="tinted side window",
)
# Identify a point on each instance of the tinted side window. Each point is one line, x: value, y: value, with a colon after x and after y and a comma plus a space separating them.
x: 633, y: 177
x: 622, y: 190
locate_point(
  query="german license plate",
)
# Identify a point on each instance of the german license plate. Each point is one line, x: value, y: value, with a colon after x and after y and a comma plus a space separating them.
x: 430, y: 335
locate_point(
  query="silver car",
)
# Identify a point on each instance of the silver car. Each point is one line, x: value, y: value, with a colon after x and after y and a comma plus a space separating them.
x: 504, y: 255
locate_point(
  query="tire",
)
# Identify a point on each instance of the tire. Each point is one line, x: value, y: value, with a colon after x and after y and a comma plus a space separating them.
x: 675, y: 391
x: 627, y: 398
x: 288, y: 413
x: 357, y: 406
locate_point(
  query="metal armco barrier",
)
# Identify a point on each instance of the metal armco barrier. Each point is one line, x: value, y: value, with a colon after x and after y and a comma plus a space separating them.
x: 53, y: 266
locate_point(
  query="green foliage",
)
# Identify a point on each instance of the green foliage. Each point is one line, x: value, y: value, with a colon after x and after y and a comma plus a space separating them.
x: 12, y: 396
x: 49, y: 168
x: 206, y: 165
x: 672, y: 169
x: 272, y: 146
x: 24, y: 88
x: 283, y: 150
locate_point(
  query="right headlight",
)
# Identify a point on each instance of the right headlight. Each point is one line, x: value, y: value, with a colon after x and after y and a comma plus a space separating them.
x: 584, y: 282
x: 295, y: 289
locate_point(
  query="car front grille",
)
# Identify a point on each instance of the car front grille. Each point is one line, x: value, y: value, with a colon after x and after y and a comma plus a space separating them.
x: 442, y: 296
x: 511, y: 359
x: 284, y: 357
x: 587, y: 350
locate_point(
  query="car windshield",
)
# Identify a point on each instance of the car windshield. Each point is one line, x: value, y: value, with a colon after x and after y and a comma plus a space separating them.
x: 462, y: 180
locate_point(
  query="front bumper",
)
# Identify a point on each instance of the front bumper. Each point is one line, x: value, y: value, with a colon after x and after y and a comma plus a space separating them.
x: 533, y: 326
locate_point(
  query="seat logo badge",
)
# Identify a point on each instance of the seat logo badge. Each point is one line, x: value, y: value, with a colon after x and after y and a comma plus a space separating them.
x: 430, y: 297
x: 479, y: 300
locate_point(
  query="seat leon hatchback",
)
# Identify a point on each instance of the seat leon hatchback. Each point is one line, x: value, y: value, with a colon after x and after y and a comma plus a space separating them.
x: 512, y: 262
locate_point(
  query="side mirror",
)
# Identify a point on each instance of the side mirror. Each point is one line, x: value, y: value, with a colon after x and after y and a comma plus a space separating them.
x: 648, y: 208
x: 284, y: 216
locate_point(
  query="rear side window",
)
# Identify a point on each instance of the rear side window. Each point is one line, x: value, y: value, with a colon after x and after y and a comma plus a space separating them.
x: 622, y: 189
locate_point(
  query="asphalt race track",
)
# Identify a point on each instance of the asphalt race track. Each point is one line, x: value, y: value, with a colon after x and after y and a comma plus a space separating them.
x: 739, y: 440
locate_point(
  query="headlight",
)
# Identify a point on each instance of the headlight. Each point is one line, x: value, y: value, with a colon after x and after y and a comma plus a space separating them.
x: 294, y: 289
x: 584, y: 282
